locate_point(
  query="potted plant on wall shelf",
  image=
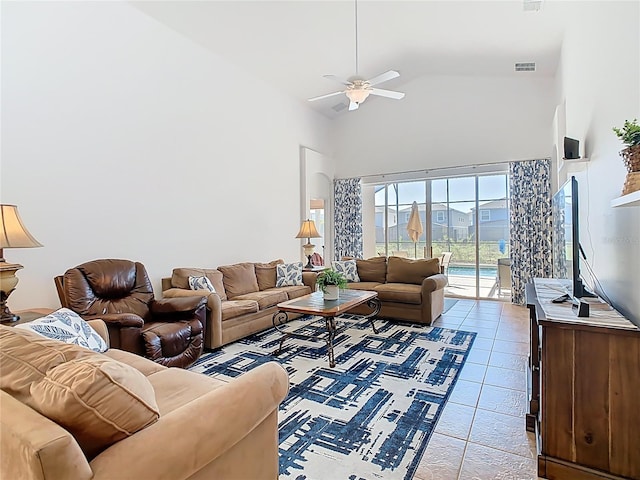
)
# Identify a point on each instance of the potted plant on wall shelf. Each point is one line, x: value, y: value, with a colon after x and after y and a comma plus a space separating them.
x: 330, y: 282
x: 630, y: 136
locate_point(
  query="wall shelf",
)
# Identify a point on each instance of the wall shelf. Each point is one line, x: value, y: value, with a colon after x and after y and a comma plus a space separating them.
x: 572, y: 165
x: 629, y: 200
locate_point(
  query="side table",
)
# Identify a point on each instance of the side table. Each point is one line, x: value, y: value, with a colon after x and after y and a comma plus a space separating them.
x: 28, y: 316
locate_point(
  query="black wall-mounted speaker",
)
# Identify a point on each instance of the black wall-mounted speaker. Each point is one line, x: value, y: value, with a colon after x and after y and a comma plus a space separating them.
x: 571, y: 148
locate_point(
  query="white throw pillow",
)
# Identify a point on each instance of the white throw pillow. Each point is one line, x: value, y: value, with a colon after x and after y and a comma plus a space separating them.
x: 289, y: 274
x: 348, y: 268
x: 201, y: 283
x: 67, y: 326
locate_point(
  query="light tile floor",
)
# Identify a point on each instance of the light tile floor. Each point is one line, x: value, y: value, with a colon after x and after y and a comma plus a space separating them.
x: 481, y: 433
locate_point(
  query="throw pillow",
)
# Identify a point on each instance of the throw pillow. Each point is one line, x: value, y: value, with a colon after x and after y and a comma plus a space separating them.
x: 373, y: 269
x: 405, y: 270
x: 68, y: 327
x: 25, y: 357
x: 100, y: 401
x: 239, y: 279
x: 180, y: 278
x: 266, y: 274
x: 348, y: 268
x: 289, y: 274
x: 200, y: 283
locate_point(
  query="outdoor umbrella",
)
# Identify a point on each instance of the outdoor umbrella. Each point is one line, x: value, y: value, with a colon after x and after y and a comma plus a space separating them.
x: 414, y: 227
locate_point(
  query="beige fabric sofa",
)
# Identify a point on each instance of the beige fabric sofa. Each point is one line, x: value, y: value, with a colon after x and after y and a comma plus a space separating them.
x: 411, y: 290
x: 244, y: 301
x: 172, y: 424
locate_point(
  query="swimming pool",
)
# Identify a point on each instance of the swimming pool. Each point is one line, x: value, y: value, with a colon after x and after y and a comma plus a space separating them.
x: 490, y: 272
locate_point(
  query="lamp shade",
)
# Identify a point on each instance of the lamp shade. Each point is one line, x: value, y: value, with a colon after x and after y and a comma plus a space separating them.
x: 13, y: 233
x: 308, y: 230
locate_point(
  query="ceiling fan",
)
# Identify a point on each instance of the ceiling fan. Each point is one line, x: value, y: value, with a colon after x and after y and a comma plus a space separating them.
x: 358, y: 89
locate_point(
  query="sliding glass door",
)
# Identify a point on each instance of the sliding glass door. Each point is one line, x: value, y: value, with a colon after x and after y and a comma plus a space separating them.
x: 468, y: 224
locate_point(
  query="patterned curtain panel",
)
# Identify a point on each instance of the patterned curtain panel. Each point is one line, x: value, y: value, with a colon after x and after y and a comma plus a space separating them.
x: 530, y: 185
x: 348, y: 218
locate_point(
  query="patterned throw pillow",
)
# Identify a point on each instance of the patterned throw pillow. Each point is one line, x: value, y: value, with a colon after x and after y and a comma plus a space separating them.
x: 348, y: 268
x: 68, y: 327
x: 201, y: 283
x: 289, y: 274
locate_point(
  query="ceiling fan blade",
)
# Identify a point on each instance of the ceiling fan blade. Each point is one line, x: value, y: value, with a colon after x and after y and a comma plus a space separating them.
x: 324, y: 96
x: 338, y: 79
x: 384, y: 77
x: 387, y: 93
x: 353, y: 106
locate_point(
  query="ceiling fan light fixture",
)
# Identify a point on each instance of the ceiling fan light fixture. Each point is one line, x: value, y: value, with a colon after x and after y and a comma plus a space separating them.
x: 357, y: 95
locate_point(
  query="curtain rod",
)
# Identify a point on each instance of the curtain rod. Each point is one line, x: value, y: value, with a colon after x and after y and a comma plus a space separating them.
x: 429, y: 172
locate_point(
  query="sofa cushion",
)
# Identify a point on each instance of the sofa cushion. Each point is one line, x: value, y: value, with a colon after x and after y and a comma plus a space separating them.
x: 180, y: 279
x: 289, y: 274
x: 265, y: 299
x: 98, y: 400
x: 266, y: 274
x: 347, y: 268
x: 363, y: 285
x: 192, y: 386
x: 239, y: 279
x: 201, y: 283
x: 400, y: 293
x: 235, y: 308
x: 26, y: 356
x: 293, y: 291
x: 372, y: 269
x: 405, y: 270
x: 143, y: 365
x: 67, y: 326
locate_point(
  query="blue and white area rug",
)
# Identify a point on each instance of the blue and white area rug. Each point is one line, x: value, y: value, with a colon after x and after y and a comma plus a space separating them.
x: 372, y: 415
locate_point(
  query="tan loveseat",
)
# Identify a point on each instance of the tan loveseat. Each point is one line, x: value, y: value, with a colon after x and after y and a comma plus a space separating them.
x: 411, y: 290
x: 244, y: 301
x: 116, y: 415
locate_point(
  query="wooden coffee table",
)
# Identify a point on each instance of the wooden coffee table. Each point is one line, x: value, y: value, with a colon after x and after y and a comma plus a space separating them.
x: 315, y: 304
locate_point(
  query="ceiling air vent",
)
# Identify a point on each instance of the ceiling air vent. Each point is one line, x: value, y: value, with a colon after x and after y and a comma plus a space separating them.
x: 531, y: 5
x: 526, y: 67
x: 339, y: 107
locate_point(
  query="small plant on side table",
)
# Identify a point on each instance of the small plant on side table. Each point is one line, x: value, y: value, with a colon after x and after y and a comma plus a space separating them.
x: 330, y: 281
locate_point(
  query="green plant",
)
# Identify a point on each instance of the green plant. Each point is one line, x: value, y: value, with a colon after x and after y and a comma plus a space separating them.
x: 331, y: 277
x: 629, y: 133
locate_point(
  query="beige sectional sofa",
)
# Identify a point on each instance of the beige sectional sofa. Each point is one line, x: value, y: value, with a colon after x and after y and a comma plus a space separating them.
x: 411, y: 290
x: 244, y: 301
x: 67, y: 412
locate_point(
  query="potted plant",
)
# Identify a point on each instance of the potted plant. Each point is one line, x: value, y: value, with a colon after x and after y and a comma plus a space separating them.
x: 630, y: 136
x: 330, y: 282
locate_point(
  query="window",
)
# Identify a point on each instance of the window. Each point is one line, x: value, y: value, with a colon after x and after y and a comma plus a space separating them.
x: 440, y: 216
x: 485, y: 215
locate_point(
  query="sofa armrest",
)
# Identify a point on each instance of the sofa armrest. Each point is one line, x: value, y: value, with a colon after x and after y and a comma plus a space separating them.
x: 203, y: 430
x: 118, y: 319
x: 434, y: 282
x: 101, y: 329
x: 170, y: 306
x: 213, y: 330
x: 309, y: 279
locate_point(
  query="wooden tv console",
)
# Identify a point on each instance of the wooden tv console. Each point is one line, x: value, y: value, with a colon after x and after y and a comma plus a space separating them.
x: 584, y: 387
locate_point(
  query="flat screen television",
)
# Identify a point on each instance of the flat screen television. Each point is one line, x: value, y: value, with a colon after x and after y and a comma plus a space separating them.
x: 566, y: 238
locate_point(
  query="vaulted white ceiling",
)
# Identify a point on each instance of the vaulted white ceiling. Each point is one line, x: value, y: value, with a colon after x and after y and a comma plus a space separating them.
x: 291, y: 44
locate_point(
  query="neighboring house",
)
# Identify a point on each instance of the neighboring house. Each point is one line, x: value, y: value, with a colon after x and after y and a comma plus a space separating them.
x: 441, y: 219
x: 493, y: 220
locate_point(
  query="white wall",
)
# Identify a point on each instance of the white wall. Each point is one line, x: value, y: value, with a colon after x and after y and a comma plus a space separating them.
x: 122, y: 139
x: 447, y: 121
x: 601, y: 83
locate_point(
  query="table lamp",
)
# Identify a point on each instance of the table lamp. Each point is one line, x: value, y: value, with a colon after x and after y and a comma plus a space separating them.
x: 13, y: 234
x: 308, y: 231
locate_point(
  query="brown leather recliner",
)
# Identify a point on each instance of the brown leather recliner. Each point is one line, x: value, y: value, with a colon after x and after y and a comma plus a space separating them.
x: 168, y: 331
